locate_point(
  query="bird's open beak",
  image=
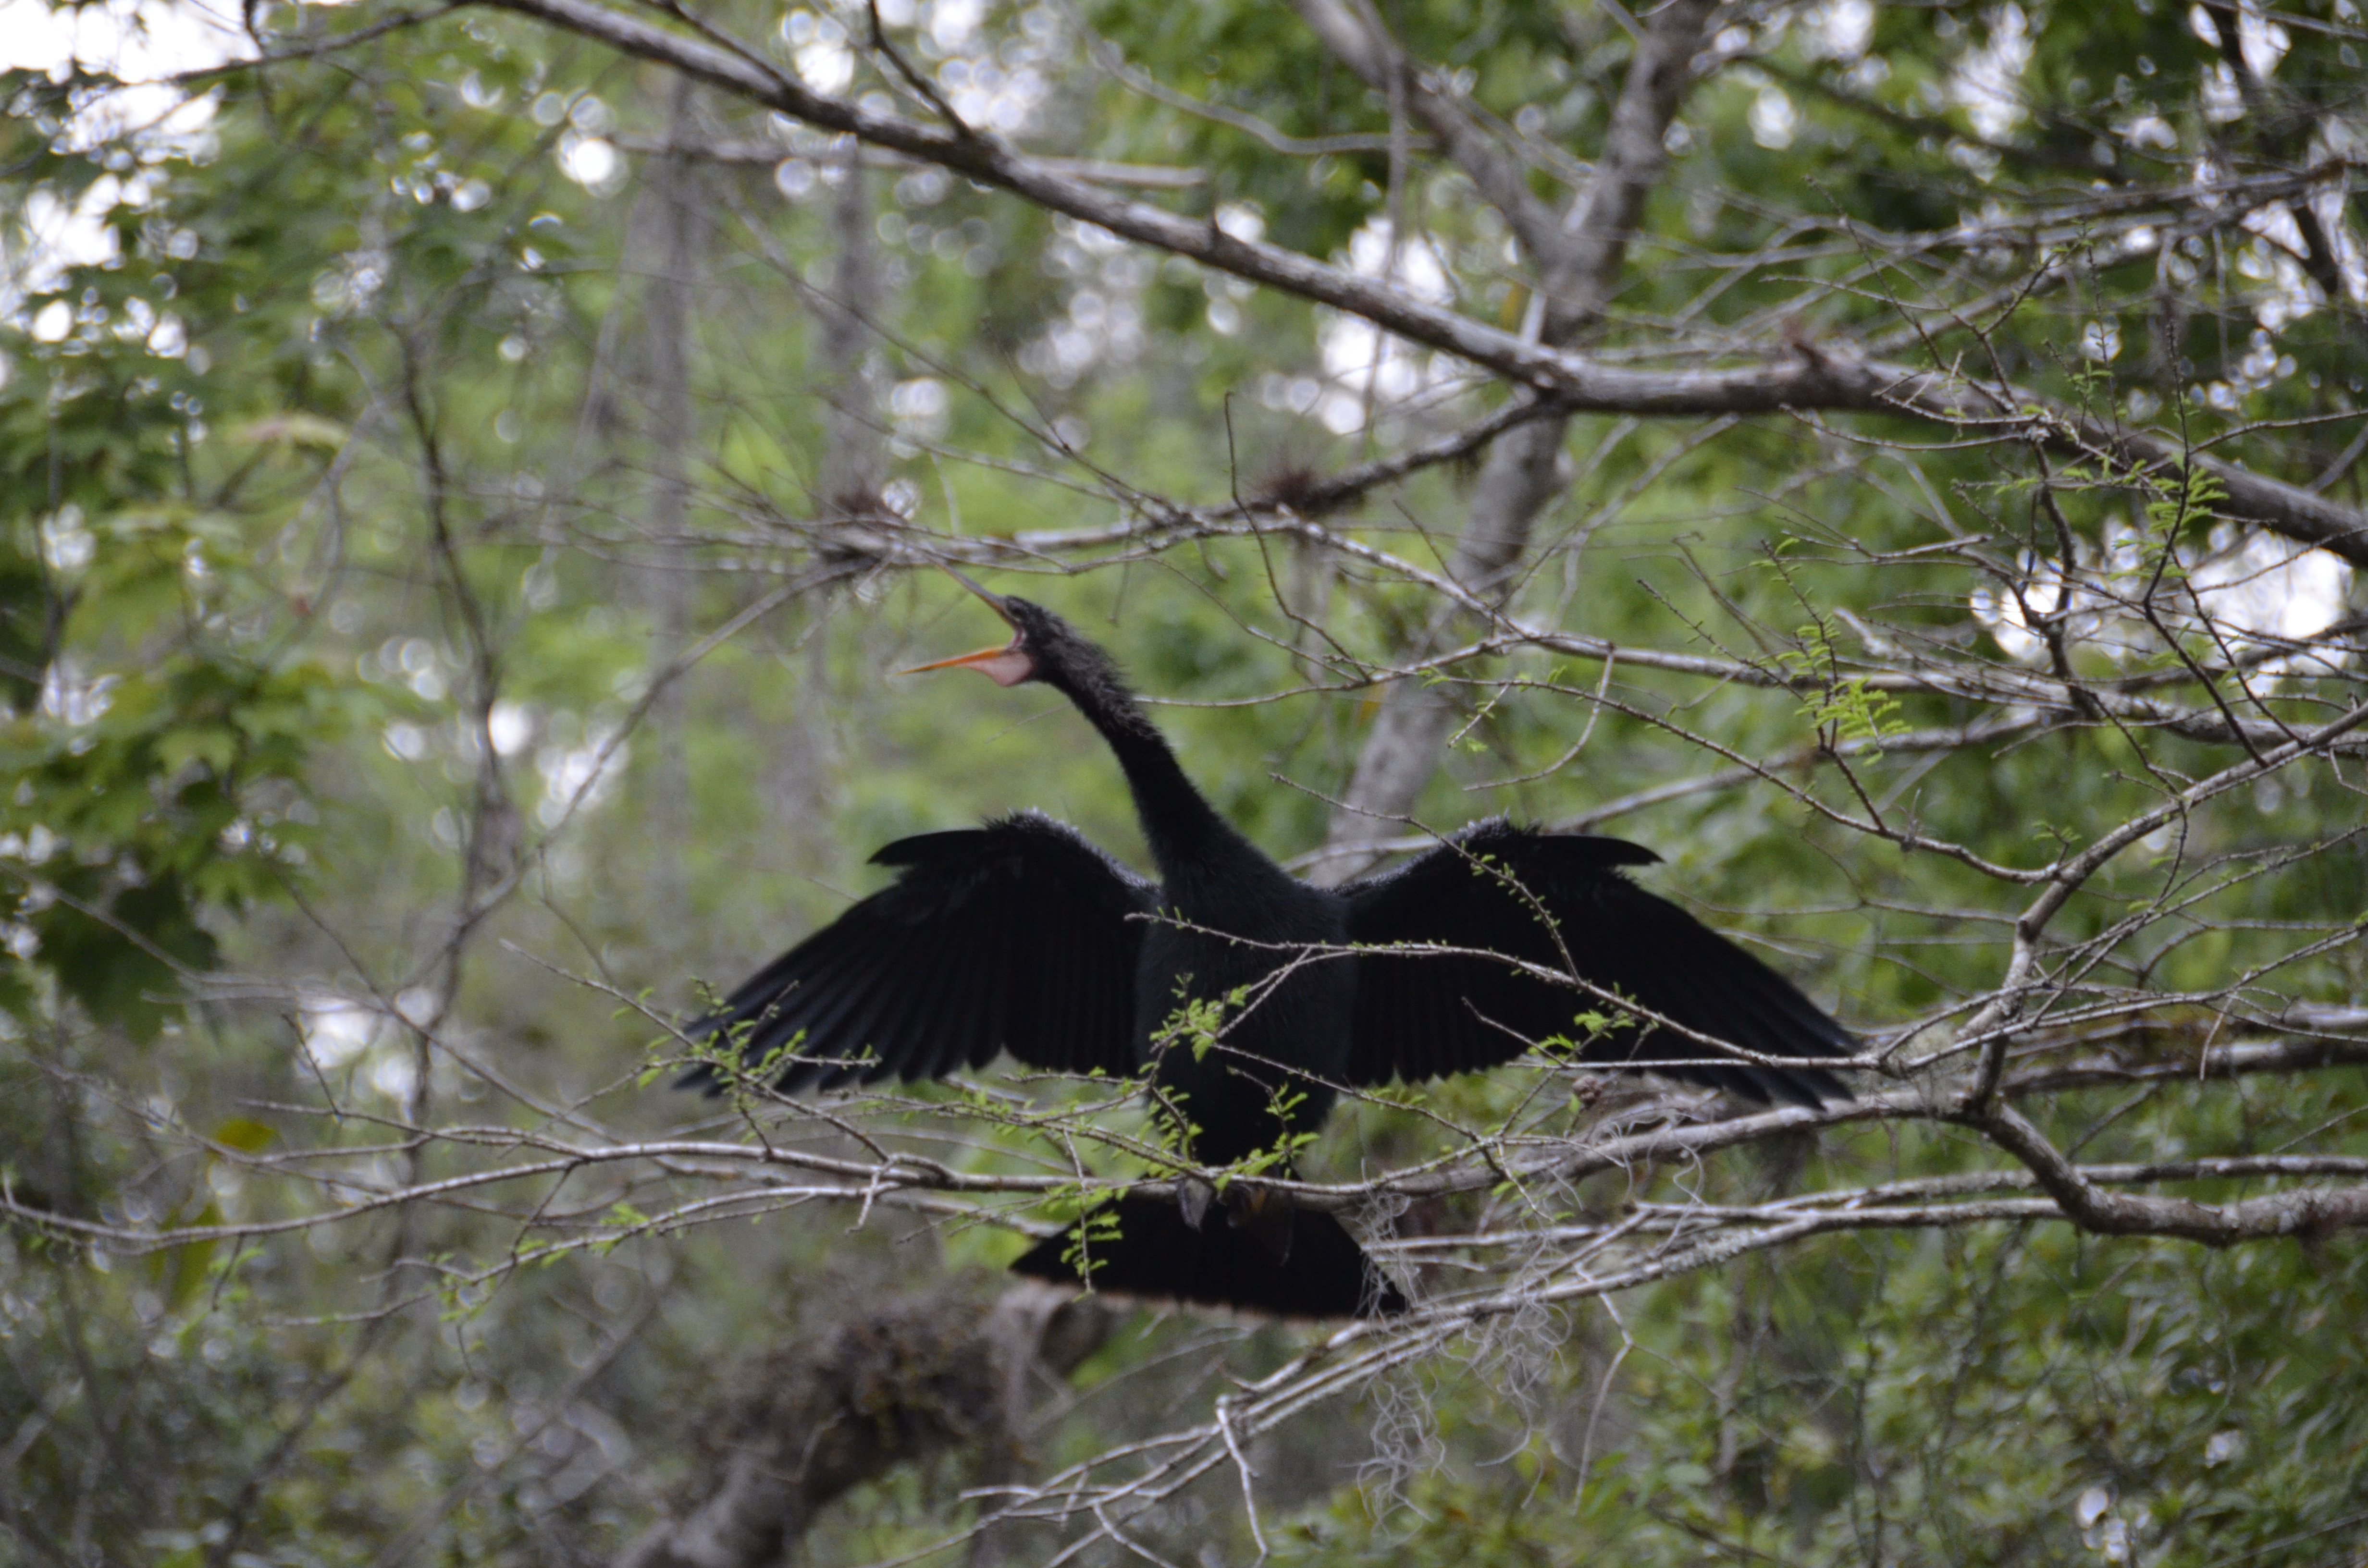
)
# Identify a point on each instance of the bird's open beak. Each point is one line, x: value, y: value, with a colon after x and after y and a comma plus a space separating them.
x: 1006, y: 666
x: 993, y: 601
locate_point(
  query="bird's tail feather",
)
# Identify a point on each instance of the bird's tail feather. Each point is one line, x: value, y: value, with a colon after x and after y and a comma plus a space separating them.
x: 1153, y: 1253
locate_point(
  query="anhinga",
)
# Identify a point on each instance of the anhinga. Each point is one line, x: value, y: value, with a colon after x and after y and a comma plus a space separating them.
x: 1022, y: 936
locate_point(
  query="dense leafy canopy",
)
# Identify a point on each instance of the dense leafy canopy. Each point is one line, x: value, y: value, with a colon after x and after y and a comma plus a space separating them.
x: 463, y: 483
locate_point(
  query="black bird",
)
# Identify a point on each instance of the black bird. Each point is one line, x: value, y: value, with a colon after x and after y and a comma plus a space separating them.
x: 1022, y: 936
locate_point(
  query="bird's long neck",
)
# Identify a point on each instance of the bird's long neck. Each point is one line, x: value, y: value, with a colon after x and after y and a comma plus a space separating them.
x: 1182, y: 827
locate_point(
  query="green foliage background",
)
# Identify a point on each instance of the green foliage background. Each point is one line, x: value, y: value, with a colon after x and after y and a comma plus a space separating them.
x: 319, y: 606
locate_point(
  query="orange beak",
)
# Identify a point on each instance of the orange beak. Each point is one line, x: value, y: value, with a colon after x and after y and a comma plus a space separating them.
x: 1006, y: 666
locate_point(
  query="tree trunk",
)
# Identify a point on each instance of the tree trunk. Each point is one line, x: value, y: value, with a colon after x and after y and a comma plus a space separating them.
x: 1525, y: 471
x: 911, y: 1378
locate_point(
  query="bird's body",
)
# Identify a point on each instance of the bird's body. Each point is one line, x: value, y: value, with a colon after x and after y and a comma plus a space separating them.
x: 1302, y: 1019
x: 1227, y: 918
x: 1252, y: 997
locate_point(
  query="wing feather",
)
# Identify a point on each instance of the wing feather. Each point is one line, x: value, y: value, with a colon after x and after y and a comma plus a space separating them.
x: 1013, y: 936
x: 983, y: 1007
x: 994, y: 1007
x: 896, y: 1030
x: 1042, y: 1014
x: 836, y: 1010
x: 961, y: 1020
x: 1560, y: 902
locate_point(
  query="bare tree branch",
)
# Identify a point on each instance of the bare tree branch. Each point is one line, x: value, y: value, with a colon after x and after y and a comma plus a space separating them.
x: 1578, y: 261
x: 1792, y: 380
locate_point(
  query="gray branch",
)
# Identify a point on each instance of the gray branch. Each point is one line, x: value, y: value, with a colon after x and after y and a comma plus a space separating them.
x: 1577, y: 262
x: 1355, y: 35
x: 1785, y: 378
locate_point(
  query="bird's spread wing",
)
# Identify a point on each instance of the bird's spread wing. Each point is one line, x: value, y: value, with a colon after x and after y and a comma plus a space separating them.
x: 1010, y: 936
x: 1506, y: 890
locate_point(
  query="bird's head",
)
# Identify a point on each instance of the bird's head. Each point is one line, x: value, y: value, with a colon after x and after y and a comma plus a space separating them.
x: 1043, y: 648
